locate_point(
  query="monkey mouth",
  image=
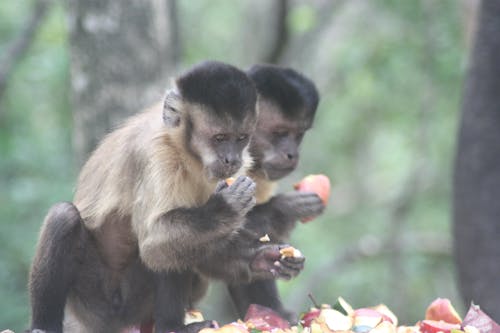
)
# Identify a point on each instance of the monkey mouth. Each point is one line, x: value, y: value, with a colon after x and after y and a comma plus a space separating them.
x: 220, y: 174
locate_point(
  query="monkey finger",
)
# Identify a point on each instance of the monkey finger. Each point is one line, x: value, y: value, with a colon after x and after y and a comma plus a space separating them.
x: 294, y: 265
x: 246, y: 186
x: 283, y: 274
x: 249, y: 204
x: 240, y: 180
x: 220, y: 186
x: 286, y: 271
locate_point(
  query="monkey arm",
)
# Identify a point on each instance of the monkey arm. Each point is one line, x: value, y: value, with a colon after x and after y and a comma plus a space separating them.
x: 278, y: 216
x: 242, y: 259
x: 181, y: 237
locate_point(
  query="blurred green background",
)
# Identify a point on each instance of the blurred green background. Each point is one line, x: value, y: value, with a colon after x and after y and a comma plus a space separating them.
x: 390, y: 76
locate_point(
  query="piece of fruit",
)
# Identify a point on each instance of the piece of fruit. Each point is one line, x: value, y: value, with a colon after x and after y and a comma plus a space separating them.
x: 264, y: 319
x: 369, y: 317
x: 308, y: 317
x: 343, y: 307
x: 335, y: 320
x: 433, y: 326
x: 230, y: 180
x: 319, y: 184
x: 384, y: 327
x: 383, y: 309
x: 441, y: 309
x: 475, y: 317
x: 193, y: 316
x: 290, y: 252
x: 265, y: 238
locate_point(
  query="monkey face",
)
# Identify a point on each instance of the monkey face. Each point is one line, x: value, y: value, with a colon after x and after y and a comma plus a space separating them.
x: 221, y: 149
x: 275, y: 143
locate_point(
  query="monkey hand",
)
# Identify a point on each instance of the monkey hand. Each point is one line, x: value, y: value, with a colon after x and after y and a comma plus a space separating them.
x: 298, y: 205
x: 270, y: 263
x: 240, y: 195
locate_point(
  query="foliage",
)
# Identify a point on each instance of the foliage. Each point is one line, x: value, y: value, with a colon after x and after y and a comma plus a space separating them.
x: 390, y: 76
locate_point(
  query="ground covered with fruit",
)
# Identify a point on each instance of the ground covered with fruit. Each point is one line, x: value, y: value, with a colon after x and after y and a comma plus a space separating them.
x: 440, y: 316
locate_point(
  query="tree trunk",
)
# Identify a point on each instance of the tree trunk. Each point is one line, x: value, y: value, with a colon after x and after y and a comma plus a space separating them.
x: 121, y: 52
x: 477, y: 170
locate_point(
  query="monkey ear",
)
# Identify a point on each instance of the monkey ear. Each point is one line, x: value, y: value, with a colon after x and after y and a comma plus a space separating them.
x: 172, y: 104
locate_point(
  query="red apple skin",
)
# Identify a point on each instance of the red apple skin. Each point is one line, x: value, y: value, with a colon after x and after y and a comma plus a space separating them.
x: 319, y: 184
x: 308, y: 317
x: 441, y: 309
x: 367, y: 312
x: 264, y: 318
x: 433, y: 326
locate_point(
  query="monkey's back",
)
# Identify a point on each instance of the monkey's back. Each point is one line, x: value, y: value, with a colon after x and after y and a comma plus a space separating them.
x: 108, y: 180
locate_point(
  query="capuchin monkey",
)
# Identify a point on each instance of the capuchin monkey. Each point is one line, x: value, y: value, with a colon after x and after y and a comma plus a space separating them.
x: 151, y: 215
x: 287, y: 104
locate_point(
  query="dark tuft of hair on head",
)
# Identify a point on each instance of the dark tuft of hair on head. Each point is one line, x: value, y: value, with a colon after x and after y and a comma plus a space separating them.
x: 291, y: 91
x: 225, y: 89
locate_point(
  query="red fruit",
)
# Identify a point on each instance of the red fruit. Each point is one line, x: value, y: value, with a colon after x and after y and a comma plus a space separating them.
x: 477, y: 318
x: 264, y: 319
x: 319, y: 184
x: 441, y: 309
x: 367, y: 312
x: 433, y: 326
x: 308, y: 317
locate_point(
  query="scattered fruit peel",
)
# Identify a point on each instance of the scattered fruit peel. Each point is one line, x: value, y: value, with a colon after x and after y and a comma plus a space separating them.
x: 475, y: 317
x: 326, y: 319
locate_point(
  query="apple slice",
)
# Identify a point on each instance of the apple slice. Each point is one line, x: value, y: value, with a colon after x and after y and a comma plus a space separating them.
x: 264, y: 319
x: 441, y: 309
x: 308, y: 317
x: 369, y: 317
x: 433, y: 326
x: 335, y: 320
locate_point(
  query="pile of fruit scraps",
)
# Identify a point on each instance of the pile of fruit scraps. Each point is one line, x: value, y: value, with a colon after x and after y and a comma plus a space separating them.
x: 342, y: 318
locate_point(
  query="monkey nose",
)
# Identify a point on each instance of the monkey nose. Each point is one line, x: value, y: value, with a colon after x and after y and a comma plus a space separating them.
x: 292, y: 156
x: 231, y: 161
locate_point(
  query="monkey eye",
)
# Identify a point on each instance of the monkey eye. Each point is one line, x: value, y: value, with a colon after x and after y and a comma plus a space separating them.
x: 220, y: 137
x: 242, y: 137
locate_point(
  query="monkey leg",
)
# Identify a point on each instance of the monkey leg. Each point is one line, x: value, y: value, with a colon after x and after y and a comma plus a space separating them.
x: 262, y: 292
x: 58, y: 255
x: 173, y: 295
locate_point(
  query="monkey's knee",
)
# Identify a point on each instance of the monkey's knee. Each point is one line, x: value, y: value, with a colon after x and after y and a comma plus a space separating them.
x: 62, y: 235
x: 62, y: 218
